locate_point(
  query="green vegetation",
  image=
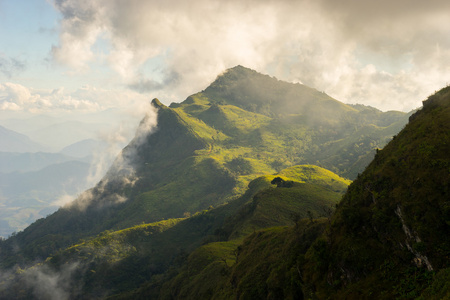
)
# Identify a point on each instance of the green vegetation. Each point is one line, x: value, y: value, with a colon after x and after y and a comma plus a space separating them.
x: 205, y: 152
x: 229, y: 198
x: 389, y: 235
x: 209, y: 271
x: 179, y: 256
x: 387, y: 240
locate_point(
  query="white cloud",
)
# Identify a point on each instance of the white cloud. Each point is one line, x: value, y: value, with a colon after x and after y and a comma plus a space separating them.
x: 51, y: 284
x: 85, y: 99
x: 16, y: 93
x: 325, y: 44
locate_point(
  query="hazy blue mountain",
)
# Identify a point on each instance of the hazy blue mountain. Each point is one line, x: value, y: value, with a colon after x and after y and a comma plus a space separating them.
x: 207, y: 149
x: 27, y: 123
x: 26, y: 162
x: 181, y: 208
x: 60, y: 135
x: 28, y: 196
x: 84, y: 148
x: 11, y: 141
x: 388, y: 238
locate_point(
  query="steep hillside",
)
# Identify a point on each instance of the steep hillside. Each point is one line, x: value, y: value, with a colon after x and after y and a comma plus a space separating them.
x: 205, y: 151
x: 263, y: 94
x: 389, y: 237
x: 208, y: 271
x: 119, y: 262
x: 297, y: 123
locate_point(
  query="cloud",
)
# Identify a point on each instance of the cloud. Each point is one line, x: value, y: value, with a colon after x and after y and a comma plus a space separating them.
x: 123, y: 168
x: 112, y: 170
x: 63, y: 200
x: 10, y: 66
x: 50, y: 284
x: 145, y: 85
x: 326, y: 44
x: 85, y: 99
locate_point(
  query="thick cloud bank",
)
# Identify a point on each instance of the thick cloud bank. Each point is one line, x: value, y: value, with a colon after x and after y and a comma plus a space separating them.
x: 389, y: 54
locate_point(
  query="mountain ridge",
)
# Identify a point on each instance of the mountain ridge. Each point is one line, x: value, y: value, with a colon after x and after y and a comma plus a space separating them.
x: 400, y: 200
x: 12, y: 141
x: 193, y: 161
x: 386, y: 240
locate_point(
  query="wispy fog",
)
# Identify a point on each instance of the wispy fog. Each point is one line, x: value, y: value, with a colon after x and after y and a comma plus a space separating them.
x: 52, y: 285
x: 121, y: 172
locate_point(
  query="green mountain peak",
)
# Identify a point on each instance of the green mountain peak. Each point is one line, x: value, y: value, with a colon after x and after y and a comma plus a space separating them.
x: 260, y: 93
x: 248, y: 153
x: 157, y: 104
x: 206, y: 150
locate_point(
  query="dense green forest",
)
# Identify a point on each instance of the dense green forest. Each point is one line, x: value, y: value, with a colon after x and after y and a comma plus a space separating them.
x: 241, y: 193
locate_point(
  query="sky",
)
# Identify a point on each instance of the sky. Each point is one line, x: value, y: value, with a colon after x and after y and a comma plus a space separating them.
x: 81, y: 56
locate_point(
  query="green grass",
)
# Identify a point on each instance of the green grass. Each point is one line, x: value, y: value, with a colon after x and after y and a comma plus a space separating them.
x: 220, y: 146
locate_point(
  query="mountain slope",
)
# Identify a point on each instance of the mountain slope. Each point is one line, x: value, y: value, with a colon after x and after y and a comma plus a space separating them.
x: 307, y: 126
x: 263, y: 94
x: 206, y: 150
x: 389, y: 236
x: 119, y: 262
x: 205, y: 274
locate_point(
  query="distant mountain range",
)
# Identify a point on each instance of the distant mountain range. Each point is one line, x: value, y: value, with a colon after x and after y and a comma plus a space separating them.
x: 68, y: 132
x: 26, y: 162
x: 237, y: 194
x: 53, y: 134
x: 11, y: 141
x: 34, y: 194
x: 32, y: 183
x: 84, y: 148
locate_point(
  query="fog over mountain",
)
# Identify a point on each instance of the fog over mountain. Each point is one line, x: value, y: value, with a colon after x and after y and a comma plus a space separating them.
x: 37, y: 179
x: 193, y: 180
x: 236, y: 193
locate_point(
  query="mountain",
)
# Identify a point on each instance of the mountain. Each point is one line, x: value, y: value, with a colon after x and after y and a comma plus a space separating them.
x: 84, y: 148
x: 57, y: 132
x: 67, y: 133
x: 206, y: 150
x: 27, y: 123
x: 387, y: 239
x: 319, y: 129
x: 27, y: 162
x: 28, y: 196
x: 12, y: 141
x: 389, y: 236
x: 33, y: 184
x: 203, y: 175
x: 103, y: 263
